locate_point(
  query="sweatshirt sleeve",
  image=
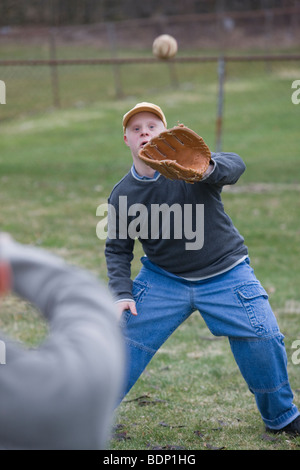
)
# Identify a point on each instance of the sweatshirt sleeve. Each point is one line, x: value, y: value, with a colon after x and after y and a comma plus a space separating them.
x: 118, y: 254
x: 228, y: 168
x: 60, y: 395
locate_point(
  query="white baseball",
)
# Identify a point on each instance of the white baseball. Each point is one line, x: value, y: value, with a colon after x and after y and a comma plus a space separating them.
x: 164, y: 46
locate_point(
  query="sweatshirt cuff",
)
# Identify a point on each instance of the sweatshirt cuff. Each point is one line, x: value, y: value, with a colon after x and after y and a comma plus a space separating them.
x: 207, y: 174
x: 127, y: 299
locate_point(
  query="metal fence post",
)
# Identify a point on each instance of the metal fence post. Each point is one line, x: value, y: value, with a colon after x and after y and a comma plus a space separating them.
x: 53, y: 71
x: 111, y: 33
x: 219, y: 120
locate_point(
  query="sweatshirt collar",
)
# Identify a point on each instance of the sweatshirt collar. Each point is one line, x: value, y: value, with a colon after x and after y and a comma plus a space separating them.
x: 144, y: 178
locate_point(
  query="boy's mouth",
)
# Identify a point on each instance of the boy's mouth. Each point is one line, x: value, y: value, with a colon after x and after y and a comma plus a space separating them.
x: 144, y: 143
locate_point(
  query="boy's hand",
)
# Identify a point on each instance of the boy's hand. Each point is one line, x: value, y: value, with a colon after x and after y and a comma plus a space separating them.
x: 126, y: 305
x: 178, y: 154
x: 5, y: 278
x: 5, y: 269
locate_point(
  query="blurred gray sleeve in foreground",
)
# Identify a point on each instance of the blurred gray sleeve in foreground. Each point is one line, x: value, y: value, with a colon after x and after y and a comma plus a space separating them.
x: 61, y: 395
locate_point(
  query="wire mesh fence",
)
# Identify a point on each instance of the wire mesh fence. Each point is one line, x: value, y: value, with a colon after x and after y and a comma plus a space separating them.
x: 45, y: 68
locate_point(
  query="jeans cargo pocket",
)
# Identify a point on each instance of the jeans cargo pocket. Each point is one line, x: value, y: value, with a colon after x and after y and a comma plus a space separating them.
x: 254, y: 299
x: 126, y: 315
x: 139, y: 290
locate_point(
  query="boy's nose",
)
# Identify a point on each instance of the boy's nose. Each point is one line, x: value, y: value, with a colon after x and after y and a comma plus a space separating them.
x: 144, y: 131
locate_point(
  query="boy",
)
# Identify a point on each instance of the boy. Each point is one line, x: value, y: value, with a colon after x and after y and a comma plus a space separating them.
x: 195, y: 260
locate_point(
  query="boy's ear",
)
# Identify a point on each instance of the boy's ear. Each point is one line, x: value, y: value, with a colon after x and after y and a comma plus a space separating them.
x: 126, y: 140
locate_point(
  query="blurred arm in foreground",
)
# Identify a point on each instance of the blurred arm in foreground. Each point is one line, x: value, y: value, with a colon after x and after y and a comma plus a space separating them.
x: 62, y: 394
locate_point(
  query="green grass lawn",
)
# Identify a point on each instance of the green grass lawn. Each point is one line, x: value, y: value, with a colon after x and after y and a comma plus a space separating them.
x: 56, y: 167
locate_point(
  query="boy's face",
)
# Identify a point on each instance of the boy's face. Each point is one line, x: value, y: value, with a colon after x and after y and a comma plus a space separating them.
x: 141, y: 128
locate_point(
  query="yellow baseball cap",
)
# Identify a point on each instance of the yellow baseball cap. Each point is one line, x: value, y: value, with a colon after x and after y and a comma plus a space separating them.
x: 142, y: 107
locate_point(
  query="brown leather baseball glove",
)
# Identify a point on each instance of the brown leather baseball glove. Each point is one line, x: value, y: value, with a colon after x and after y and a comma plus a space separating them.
x: 178, y: 154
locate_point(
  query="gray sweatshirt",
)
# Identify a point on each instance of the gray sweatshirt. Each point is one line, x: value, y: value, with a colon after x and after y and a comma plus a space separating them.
x: 60, y: 395
x: 183, y: 227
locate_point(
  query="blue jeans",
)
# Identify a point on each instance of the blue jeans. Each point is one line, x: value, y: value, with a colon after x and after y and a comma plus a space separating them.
x: 233, y: 304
